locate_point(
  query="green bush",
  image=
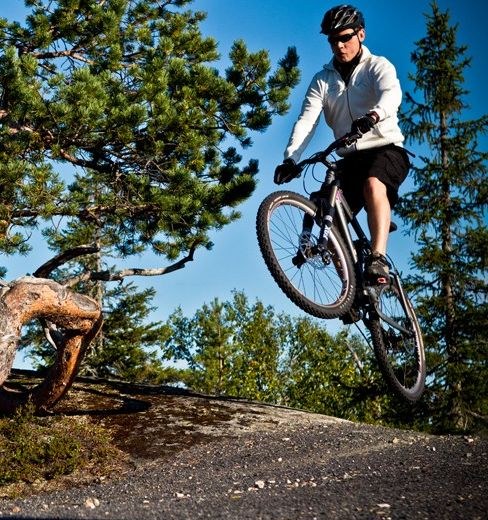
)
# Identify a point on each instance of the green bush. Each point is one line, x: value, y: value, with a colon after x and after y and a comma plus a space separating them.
x: 33, y: 448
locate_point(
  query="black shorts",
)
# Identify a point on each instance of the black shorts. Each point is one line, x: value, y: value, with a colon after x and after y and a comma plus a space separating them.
x: 390, y: 164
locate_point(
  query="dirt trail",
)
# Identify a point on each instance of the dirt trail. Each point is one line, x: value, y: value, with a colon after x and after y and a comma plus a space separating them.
x: 196, y: 456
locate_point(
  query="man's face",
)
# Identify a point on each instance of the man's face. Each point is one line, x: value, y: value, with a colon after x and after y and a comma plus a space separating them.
x: 346, y: 44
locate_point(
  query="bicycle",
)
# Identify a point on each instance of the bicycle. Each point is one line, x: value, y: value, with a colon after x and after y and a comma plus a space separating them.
x: 323, y: 274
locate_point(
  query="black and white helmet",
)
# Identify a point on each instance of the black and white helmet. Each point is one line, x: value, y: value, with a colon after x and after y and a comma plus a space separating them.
x: 341, y: 17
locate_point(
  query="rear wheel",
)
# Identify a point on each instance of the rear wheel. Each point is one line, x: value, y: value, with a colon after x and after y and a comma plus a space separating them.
x: 397, y: 341
x: 323, y: 284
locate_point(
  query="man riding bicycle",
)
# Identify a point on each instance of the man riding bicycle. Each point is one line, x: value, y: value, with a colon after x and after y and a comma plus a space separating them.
x: 359, y: 92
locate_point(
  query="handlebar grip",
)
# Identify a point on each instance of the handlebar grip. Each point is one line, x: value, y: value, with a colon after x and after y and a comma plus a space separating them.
x: 344, y: 141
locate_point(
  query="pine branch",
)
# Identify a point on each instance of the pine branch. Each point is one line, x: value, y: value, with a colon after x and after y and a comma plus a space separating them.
x: 72, y: 54
x: 47, y: 268
x: 109, y: 276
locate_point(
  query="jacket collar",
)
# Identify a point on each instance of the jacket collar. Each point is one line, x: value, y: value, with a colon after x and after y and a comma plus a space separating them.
x: 366, y: 54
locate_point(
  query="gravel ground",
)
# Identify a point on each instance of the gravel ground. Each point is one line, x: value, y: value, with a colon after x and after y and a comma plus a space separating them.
x: 196, y: 457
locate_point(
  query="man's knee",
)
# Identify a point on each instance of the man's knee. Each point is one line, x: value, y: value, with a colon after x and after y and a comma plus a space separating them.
x: 374, y: 188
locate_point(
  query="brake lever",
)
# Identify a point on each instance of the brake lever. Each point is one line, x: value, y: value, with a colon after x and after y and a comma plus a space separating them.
x: 350, y: 139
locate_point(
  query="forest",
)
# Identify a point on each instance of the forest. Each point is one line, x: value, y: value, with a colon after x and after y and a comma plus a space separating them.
x: 126, y: 96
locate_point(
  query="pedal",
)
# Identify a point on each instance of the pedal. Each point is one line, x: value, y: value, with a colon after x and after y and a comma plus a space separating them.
x: 377, y: 281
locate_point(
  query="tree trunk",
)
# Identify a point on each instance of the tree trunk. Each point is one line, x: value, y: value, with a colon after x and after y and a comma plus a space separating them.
x: 78, y: 318
x: 454, y: 384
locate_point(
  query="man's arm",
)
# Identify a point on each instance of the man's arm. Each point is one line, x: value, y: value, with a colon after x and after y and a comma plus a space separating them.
x: 388, y: 90
x: 306, y: 124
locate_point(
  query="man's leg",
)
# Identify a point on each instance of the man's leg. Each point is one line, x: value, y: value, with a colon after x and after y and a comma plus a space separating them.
x: 379, y: 213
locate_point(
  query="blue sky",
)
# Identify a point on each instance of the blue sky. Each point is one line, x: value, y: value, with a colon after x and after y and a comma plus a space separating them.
x: 391, y: 30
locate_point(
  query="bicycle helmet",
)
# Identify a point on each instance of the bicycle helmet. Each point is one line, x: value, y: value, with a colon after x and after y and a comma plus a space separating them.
x: 341, y: 17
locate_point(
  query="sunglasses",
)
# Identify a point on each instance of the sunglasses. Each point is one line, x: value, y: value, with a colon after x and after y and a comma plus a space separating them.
x: 343, y: 38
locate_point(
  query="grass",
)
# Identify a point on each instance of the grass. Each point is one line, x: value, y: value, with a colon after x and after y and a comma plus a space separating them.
x: 34, y: 449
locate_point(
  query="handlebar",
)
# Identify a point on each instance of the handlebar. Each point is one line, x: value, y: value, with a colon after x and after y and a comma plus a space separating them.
x: 344, y: 141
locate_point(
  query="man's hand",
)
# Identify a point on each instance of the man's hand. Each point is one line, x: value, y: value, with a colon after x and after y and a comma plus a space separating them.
x: 286, y: 172
x: 365, y: 123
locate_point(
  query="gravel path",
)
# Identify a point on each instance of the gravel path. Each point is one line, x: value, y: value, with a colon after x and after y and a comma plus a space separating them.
x: 260, y: 462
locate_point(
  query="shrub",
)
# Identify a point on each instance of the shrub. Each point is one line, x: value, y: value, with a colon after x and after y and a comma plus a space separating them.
x: 33, y: 448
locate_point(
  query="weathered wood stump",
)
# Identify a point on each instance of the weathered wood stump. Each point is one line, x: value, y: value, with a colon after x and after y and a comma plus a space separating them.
x: 77, y: 318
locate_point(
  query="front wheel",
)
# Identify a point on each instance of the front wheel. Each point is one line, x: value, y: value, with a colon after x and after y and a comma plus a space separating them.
x: 397, y: 341
x: 324, y: 284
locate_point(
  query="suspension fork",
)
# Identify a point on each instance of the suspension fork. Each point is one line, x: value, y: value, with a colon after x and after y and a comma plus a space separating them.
x: 335, y: 207
x: 327, y: 209
x: 342, y: 209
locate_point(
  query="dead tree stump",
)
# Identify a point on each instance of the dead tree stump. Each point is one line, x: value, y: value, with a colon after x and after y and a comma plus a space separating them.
x: 77, y: 318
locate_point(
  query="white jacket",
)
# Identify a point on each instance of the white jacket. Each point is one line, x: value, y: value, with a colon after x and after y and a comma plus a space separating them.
x: 373, y: 86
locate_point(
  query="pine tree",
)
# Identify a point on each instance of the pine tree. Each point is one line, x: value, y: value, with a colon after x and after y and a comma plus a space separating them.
x: 335, y: 375
x: 231, y: 348
x: 131, y: 346
x: 124, y: 91
x: 242, y: 349
x: 119, y: 135
x: 446, y: 211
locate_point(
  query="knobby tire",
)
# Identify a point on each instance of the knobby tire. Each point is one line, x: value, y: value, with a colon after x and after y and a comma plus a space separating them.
x: 400, y: 355
x: 322, y: 287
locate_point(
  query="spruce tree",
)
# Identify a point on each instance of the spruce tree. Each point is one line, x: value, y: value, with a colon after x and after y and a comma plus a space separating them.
x: 446, y: 212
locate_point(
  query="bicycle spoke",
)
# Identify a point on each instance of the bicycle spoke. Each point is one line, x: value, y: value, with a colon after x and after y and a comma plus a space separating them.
x: 316, y: 284
x: 398, y: 343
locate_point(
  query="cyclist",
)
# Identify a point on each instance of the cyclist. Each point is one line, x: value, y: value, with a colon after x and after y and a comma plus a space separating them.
x: 359, y: 92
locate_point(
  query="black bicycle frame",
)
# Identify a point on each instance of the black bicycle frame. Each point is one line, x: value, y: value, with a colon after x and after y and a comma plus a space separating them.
x: 335, y: 206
